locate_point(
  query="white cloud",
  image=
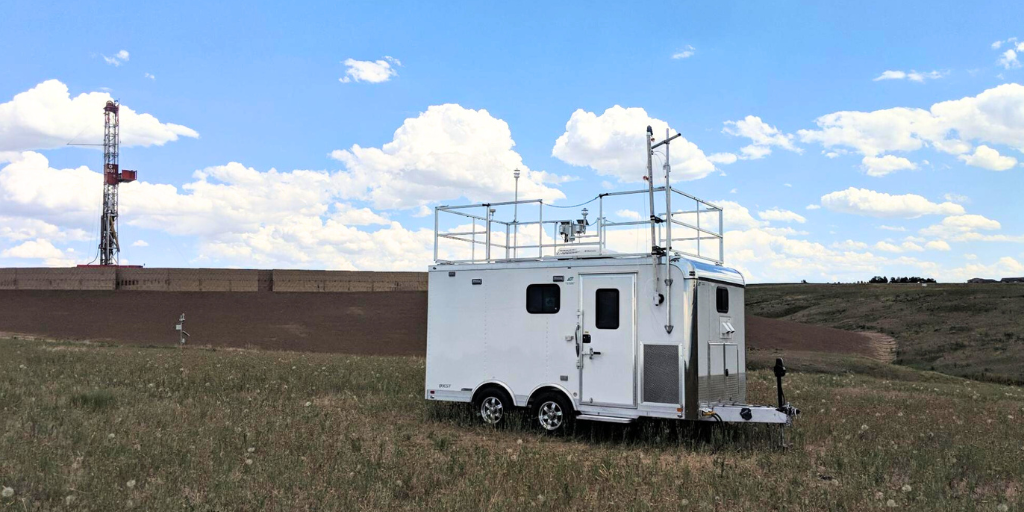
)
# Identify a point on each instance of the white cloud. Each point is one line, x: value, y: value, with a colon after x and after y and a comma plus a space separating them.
x: 723, y: 158
x: 119, y: 58
x: 628, y: 214
x: 240, y: 216
x: 737, y: 216
x: 892, y: 228
x: 1008, y: 60
x: 140, y: 243
x: 779, y: 215
x: 19, y: 229
x: 46, y: 117
x: 814, y: 207
x: 149, y: 76
x: 861, y: 201
x: 39, y: 249
x: 988, y: 158
x: 445, y: 153
x: 957, y: 198
x: 850, y: 245
x: 995, y: 116
x: 685, y: 53
x: 374, y: 72
x: 762, y: 136
x: 937, y: 245
x: 613, y: 145
x: 913, y: 76
x: 1004, y: 267
x: 904, y: 247
x: 880, y: 166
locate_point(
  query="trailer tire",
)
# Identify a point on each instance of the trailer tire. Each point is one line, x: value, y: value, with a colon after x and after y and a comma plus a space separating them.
x: 553, y: 413
x: 493, y: 405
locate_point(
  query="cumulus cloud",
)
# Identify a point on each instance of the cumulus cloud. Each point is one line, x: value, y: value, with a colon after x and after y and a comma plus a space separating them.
x: 779, y: 215
x: 1004, y: 267
x: 445, y: 153
x: 988, y: 158
x: 240, y: 216
x: 913, y: 76
x: 140, y: 243
x: 1008, y: 59
x: 371, y: 71
x: 613, y: 145
x: 119, y: 58
x: 870, y: 203
x: 46, y: 117
x: 762, y: 137
x: 39, y: 249
x: 995, y: 116
x: 937, y: 245
x: 882, y: 165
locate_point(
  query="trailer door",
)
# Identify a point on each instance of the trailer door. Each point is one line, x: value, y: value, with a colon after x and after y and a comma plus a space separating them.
x: 608, y: 332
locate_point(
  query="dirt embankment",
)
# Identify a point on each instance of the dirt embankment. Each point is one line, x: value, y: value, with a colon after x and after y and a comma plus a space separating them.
x: 771, y: 334
x: 391, y: 323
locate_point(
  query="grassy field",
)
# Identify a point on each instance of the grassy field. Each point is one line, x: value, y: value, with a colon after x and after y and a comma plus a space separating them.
x: 974, y: 331
x: 126, y: 428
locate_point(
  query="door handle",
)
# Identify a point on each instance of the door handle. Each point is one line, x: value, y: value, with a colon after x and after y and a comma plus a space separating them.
x: 593, y: 353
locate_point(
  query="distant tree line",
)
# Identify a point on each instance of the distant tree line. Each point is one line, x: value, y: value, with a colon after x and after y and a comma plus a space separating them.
x: 900, y: 280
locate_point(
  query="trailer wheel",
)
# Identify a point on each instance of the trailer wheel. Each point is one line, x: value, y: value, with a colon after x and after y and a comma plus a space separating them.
x: 493, y: 405
x: 553, y: 413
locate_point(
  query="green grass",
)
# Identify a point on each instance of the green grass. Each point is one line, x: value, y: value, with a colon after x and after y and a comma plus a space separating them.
x: 118, y: 428
x: 973, y: 331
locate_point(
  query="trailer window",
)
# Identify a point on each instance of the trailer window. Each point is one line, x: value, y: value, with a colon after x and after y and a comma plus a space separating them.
x: 722, y: 299
x: 607, y: 306
x: 543, y: 299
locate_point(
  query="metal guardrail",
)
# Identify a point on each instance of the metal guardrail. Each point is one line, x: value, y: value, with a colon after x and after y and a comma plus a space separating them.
x: 499, y: 240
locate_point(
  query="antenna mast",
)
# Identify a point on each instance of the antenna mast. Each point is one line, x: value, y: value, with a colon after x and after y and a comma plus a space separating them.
x: 110, y: 248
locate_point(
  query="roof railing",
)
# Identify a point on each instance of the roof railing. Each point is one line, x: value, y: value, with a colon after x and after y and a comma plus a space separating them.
x: 479, y: 236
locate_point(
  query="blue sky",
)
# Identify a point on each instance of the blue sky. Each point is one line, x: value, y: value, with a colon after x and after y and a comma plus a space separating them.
x: 238, y: 89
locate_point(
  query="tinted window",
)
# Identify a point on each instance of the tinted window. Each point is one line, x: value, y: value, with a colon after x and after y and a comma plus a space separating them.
x: 607, y: 306
x: 722, y: 299
x: 543, y: 298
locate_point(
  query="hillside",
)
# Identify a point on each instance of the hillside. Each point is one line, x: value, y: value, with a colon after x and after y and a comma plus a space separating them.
x: 968, y: 330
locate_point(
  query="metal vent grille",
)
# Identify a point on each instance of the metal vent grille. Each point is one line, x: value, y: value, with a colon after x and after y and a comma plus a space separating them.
x: 661, y: 374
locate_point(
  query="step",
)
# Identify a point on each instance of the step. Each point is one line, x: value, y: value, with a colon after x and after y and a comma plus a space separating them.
x: 606, y: 419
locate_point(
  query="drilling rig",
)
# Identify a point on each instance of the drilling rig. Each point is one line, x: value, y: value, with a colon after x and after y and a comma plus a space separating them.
x: 113, y: 176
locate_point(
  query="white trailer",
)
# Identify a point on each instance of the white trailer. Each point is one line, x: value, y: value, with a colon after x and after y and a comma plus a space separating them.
x: 576, y: 331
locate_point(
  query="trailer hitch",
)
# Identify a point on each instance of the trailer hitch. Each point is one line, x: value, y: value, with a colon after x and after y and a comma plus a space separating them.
x: 784, y: 407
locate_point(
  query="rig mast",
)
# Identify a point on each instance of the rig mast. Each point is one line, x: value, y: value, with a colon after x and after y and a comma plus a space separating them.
x: 112, y: 177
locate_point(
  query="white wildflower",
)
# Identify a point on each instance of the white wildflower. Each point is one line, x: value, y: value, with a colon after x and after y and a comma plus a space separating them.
x: 906, y: 488
x: 110, y: 436
x: 69, y: 500
x: 131, y: 484
x: 7, y: 492
x: 251, y: 449
x: 248, y: 462
x: 863, y: 428
x: 891, y: 503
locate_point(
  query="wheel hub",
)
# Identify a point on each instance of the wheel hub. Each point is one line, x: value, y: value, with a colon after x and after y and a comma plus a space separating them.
x: 550, y: 415
x: 491, y: 410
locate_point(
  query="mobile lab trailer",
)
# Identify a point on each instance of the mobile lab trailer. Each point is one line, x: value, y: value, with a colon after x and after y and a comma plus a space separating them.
x: 574, y: 330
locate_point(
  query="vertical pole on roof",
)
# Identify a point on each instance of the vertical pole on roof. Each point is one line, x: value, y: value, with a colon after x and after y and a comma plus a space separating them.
x: 668, y: 198
x: 508, y: 238
x: 721, y: 239
x: 540, y: 225
x: 600, y: 224
x: 436, y: 210
x: 668, y: 235
x: 698, y: 228
x: 487, y: 251
x: 515, y: 218
x: 650, y: 189
x: 472, y: 253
